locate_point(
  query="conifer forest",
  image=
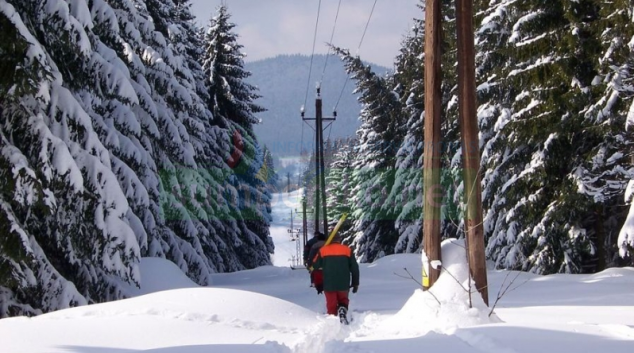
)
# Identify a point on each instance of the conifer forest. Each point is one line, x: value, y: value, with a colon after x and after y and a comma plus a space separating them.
x: 127, y: 131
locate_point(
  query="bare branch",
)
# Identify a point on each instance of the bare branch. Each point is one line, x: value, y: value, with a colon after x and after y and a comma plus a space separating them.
x: 455, y: 279
x: 505, y: 289
x: 415, y: 280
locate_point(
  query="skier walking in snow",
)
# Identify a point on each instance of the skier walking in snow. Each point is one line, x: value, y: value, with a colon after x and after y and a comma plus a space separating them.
x: 310, y: 250
x: 316, y: 274
x: 319, y: 236
x: 341, y: 272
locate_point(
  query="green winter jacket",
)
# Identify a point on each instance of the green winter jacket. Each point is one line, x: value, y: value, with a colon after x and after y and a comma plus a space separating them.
x: 338, y: 264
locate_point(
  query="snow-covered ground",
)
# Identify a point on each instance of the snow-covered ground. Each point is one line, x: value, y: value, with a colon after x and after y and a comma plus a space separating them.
x: 273, y: 310
x: 285, y: 248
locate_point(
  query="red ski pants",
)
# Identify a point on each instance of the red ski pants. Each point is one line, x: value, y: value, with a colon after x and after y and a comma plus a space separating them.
x: 334, y: 299
x: 317, y: 278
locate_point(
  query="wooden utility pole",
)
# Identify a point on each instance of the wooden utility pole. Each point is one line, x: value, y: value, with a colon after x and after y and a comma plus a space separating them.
x: 317, y: 172
x: 433, y: 192
x: 320, y: 170
x: 322, y: 176
x: 470, y: 146
x: 304, y: 228
x: 304, y: 223
x: 288, y: 182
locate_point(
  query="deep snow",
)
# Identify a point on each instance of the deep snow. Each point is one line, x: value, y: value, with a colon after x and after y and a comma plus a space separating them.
x: 273, y: 309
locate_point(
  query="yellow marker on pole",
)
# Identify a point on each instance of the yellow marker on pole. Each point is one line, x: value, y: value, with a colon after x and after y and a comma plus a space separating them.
x: 336, y: 229
x: 425, y: 261
x: 425, y: 276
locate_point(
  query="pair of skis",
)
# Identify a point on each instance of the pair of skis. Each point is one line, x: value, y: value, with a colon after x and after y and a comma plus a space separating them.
x: 336, y: 229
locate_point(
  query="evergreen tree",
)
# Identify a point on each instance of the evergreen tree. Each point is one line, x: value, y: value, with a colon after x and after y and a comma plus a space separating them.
x: 612, y: 163
x: 492, y: 65
x: 538, y: 219
x: 606, y: 168
x: 110, y: 151
x: 309, y: 181
x: 232, y: 102
x: 339, y: 187
x: 268, y: 172
x: 66, y: 237
x: 379, y: 137
x: 173, y: 231
x: 406, y: 195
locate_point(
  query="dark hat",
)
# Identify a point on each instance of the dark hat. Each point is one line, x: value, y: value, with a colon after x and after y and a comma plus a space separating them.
x: 337, y: 238
x: 320, y: 235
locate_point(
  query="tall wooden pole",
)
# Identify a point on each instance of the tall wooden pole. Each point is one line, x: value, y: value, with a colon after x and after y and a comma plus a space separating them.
x: 317, y: 164
x: 322, y: 176
x: 470, y: 146
x: 432, y: 149
x: 304, y: 223
x: 288, y: 182
x: 320, y: 161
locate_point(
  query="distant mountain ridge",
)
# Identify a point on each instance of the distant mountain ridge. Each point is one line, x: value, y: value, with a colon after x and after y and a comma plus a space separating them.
x: 282, y: 82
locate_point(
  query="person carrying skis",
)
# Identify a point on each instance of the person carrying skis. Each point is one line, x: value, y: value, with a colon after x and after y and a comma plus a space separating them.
x: 341, y: 272
x: 310, y: 250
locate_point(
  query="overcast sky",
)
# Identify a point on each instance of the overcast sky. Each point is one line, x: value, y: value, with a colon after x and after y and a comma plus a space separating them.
x: 271, y: 27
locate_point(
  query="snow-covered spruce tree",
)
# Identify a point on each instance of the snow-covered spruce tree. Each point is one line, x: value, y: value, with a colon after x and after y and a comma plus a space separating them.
x: 309, y: 180
x: 339, y: 187
x: 608, y: 166
x: 410, y: 67
x: 500, y: 159
x: 611, y: 165
x: 65, y: 240
x: 626, y: 235
x: 232, y: 101
x: 406, y: 194
x: 374, y: 168
x: 268, y: 171
x: 498, y: 155
x: 192, y: 209
x: 163, y: 141
x: 198, y: 188
x: 540, y: 221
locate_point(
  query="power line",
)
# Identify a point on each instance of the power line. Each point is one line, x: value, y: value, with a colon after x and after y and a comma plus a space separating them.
x: 367, y: 24
x: 332, y: 35
x: 342, y: 90
x: 312, y: 55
